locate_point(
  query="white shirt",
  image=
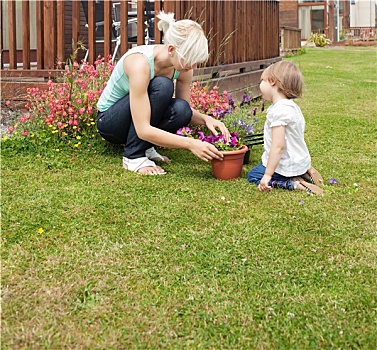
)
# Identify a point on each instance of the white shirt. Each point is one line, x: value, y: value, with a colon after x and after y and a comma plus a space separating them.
x: 295, y: 159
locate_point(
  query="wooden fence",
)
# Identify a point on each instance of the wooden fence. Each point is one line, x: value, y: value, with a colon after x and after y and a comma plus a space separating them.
x: 243, y: 37
x: 290, y: 39
x: 360, y: 34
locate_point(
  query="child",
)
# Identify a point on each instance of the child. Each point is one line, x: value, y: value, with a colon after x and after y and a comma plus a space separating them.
x: 286, y: 159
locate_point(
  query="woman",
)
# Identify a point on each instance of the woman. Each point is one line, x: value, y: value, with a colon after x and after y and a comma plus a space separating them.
x: 137, y: 107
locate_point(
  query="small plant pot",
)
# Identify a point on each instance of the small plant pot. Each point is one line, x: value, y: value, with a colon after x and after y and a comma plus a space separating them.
x: 246, y: 158
x: 231, y: 166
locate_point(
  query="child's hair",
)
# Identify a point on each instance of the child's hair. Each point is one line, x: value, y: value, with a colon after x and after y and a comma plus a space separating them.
x: 186, y: 35
x: 287, y: 78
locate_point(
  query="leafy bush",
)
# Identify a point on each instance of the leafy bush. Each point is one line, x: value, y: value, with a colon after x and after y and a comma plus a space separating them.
x: 67, y: 108
x: 319, y: 39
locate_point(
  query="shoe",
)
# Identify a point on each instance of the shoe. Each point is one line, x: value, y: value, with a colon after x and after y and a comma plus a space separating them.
x: 136, y: 164
x: 315, y: 176
x: 310, y: 188
x: 152, y: 154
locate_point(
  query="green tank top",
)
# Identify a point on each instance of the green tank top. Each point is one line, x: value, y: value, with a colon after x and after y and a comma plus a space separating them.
x: 119, y: 85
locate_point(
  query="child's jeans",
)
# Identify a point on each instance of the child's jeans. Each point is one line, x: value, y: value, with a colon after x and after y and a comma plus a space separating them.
x: 167, y: 113
x: 277, y: 181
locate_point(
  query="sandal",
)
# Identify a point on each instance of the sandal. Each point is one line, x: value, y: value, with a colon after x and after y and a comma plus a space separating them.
x: 136, y: 164
x: 152, y: 154
x: 315, y: 176
x: 310, y: 188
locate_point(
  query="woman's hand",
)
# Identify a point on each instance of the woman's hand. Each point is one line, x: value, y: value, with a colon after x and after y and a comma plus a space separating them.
x: 204, y: 150
x: 214, y: 124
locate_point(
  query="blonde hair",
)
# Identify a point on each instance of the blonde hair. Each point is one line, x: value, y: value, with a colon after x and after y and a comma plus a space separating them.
x: 186, y: 36
x: 286, y: 76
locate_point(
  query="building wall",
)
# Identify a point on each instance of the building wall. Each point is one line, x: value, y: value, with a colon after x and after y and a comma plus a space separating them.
x: 288, y: 13
x: 363, y: 13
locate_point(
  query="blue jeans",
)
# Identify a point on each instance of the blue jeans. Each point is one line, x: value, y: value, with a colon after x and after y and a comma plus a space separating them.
x: 167, y: 113
x: 277, y: 181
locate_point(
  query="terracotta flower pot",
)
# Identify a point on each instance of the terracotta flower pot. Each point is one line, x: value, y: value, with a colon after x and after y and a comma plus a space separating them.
x: 231, y: 165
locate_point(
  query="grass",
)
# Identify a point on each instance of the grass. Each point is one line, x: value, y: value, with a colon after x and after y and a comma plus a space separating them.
x: 94, y: 257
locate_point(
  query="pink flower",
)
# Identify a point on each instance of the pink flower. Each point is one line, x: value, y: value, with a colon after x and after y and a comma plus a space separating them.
x: 7, y: 103
x: 25, y: 133
x: 10, y: 129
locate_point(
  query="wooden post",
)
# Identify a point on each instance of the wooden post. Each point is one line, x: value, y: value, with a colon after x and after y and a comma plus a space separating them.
x: 107, y: 28
x: 140, y: 22
x: 123, y: 26
x: 157, y: 33
x: 39, y: 25
x: 75, y: 23
x: 25, y: 35
x: 91, y: 31
x: 50, y: 34
x: 12, y: 35
x: 169, y: 6
x: 1, y: 36
x: 60, y: 31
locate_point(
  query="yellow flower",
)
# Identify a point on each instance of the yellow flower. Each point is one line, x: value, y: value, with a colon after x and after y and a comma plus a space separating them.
x: 16, y: 132
x: 57, y: 150
x: 75, y: 127
x: 78, y: 137
x: 41, y: 230
x: 5, y: 138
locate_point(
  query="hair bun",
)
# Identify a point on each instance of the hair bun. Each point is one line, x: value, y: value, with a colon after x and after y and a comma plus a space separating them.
x: 165, y: 19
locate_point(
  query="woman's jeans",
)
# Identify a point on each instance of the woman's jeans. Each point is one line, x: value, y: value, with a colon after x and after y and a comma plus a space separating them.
x: 167, y: 113
x: 277, y: 181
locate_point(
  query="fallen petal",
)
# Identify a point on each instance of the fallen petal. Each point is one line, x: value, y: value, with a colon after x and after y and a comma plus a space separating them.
x: 333, y: 181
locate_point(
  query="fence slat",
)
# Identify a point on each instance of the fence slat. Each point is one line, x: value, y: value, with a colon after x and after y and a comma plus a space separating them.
x: 25, y: 35
x: 50, y: 39
x: 107, y: 28
x: 140, y: 21
x: 157, y: 33
x: 40, y: 28
x: 75, y: 22
x: 124, y: 26
x: 12, y: 35
x: 91, y: 30
x: 60, y: 31
x: 1, y: 35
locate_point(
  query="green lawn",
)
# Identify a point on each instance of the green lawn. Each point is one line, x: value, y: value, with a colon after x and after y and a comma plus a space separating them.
x: 95, y: 257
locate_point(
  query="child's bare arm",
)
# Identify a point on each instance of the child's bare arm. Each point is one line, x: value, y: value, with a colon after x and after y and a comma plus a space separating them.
x: 277, y: 147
